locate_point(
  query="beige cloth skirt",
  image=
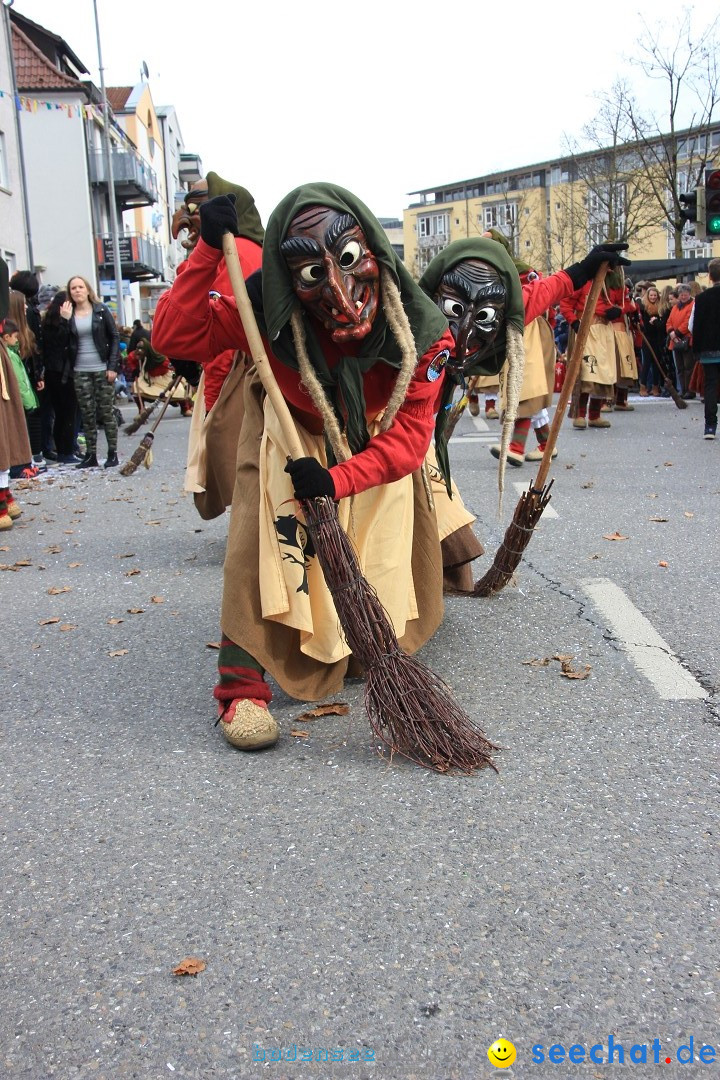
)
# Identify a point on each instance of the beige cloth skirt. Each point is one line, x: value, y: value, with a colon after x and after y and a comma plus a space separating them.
x: 626, y: 362
x: 536, y: 392
x: 276, y: 604
x: 213, y: 441
x: 598, y: 371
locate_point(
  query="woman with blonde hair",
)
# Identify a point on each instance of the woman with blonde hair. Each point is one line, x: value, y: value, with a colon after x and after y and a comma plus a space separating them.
x: 94, y: 357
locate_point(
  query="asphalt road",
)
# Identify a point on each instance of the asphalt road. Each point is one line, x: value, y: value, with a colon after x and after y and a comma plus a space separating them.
x: 341, y: 903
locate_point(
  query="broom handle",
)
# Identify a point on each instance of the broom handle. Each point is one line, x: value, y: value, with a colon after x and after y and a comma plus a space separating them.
x: 257, y: 349
x: 573, y: 371
x: 666, y: 378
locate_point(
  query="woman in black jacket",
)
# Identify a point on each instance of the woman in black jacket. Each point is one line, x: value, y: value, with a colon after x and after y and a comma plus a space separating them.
x: 94, y: 355
x: 59, y: 380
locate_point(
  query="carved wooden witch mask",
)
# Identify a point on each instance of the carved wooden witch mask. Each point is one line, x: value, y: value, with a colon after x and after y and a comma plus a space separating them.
x: 472, y: 297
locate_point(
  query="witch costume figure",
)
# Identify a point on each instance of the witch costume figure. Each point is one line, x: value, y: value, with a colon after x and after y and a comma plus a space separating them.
x: 359, y: 353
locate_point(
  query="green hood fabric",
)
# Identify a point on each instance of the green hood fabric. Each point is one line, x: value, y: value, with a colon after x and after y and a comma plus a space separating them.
x: 249, y: 223
x: 344, y: 384
x: 494, y: 253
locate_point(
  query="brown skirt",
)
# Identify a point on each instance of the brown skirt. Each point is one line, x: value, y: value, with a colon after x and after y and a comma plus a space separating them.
x: 275, y: 645
x: 14, y: 442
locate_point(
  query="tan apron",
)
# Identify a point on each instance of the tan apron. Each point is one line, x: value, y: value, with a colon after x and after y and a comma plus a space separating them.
x: 539, y: 372
x: 599, y: 369
x: 151, y: 387
x: 396, y: 533
x: 627, y: 372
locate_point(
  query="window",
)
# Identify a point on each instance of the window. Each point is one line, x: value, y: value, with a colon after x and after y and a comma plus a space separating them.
x: 433, y: 225
x: 559, y: 175
x: 3, y: 162
x: 500, y: 215
x: 11, y: 260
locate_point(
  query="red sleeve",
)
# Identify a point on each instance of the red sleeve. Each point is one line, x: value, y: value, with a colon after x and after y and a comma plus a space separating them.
x: 402, y: 448
x: 186, y: 325
x: 543, y: 293
x: 216, y: 372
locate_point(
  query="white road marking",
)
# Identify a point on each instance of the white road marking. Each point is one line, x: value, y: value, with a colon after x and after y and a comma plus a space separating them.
x: 480, y: 423
x: 549, y: 511
x: 651, y: 655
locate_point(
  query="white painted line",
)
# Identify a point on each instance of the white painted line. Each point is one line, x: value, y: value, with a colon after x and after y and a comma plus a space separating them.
x: 486, y: 437
x: 548, y: 512
x: 651, y: 655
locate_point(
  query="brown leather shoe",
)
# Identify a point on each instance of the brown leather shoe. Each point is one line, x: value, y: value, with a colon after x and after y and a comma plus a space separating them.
x: 599, y: 422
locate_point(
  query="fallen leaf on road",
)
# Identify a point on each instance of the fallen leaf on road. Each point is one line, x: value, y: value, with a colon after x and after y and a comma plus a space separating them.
x: 572, y: 673
x: 114, y: 622
x: 191, y: 965
x: 68, y: 532
x: 569, y: 466
x: 135, y: 610
x: 667, y: 463
x: 212, y: 644
x: 23, y: 562
x: 157, y: 599
x: 652, y: 495
x: 118, y: 652
x: 153, y: 522
x: 48, y: 622
x: 335, y: 708
x: 4, y: 548
x: 67, y: 626
x: 132, y: 573
x: 564, y: 658
x: 298, y: 734
x: 662, y: 563
x: 55, y: 590
x: 658, y: 519
x: 53, y: 549
x: 590, y: 483
x: 688, y: 513
x: 538, y: 661
x: 127, y: 555
x: 595, y: 556
x: 73, y: 565
x: 615, y: 536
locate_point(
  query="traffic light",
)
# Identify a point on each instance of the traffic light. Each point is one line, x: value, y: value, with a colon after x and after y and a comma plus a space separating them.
x: 694, y: 209
x: 712, y: 204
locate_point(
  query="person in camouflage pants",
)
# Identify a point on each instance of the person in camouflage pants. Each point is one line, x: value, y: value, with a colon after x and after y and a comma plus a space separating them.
x: 95, y: 397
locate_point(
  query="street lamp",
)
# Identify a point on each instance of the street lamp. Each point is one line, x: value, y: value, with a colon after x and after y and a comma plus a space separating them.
x: 111, y: 182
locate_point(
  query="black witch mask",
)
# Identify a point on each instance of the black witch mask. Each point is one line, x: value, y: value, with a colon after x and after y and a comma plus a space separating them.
x: 472, y: 297
x: 334, y: 273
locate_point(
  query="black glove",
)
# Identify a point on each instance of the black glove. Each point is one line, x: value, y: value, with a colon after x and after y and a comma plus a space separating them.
x: 582, y: 272
x: 310, y: 480
x: 575, y: 325
x: 613, y: 313
x: 218, y: 216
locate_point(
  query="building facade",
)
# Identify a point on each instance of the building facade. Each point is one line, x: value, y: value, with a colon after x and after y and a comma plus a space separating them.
x: 548, y: 212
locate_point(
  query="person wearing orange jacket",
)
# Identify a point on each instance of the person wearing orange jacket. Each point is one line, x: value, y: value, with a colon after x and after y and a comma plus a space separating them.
x: 679, y: 337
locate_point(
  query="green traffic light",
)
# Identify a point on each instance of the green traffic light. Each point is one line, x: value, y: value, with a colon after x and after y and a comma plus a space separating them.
x: 713, y: 225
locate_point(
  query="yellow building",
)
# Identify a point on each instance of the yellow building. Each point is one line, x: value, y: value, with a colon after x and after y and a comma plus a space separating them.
x: 552, y: 214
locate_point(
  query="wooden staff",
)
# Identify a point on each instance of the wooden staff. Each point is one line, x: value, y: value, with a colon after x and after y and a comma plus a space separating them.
x: 669, y: 385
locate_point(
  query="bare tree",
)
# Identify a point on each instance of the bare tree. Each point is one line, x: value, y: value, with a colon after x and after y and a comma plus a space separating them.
x: 674, y: 146
x: 617, y: 195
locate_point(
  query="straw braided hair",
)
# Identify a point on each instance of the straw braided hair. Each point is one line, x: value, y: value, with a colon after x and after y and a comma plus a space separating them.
x: 512, y: 385
x: 402, y: 331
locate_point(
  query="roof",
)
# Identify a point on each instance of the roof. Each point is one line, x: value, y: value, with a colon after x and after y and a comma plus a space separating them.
x: 33, y: 69
x: 29, y: 27
x: 118, y: 97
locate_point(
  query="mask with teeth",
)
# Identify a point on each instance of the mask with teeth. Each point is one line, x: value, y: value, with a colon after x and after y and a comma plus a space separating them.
x: 334, y: 273
x: 472, y: 297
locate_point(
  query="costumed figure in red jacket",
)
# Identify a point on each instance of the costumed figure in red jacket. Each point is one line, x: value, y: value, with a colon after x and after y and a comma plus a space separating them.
x: 358, y: 351
x: 217, y: 415
x: 609, y: 349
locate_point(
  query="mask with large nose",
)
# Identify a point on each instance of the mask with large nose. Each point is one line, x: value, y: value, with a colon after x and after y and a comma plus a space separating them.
x: 334, y: 273
x: 472, y: 297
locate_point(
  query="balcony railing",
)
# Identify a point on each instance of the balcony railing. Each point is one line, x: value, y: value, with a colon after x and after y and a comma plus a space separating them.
x: 135, y: 182
x: 140, y: 257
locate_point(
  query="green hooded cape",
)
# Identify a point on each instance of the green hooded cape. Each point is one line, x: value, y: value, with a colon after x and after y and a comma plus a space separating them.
x: 344, y: 384
x: 249, y: 223
x: 494, y: 253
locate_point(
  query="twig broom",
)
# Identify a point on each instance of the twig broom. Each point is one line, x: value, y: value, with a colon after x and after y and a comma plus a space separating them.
x: 143, y: 454
x: 410, y: 708
x: 666, y: 378
x: 144, y: 415
x: 533, y: 501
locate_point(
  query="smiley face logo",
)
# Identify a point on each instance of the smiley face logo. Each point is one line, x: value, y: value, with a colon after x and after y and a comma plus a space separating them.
x: 502, y: 1054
